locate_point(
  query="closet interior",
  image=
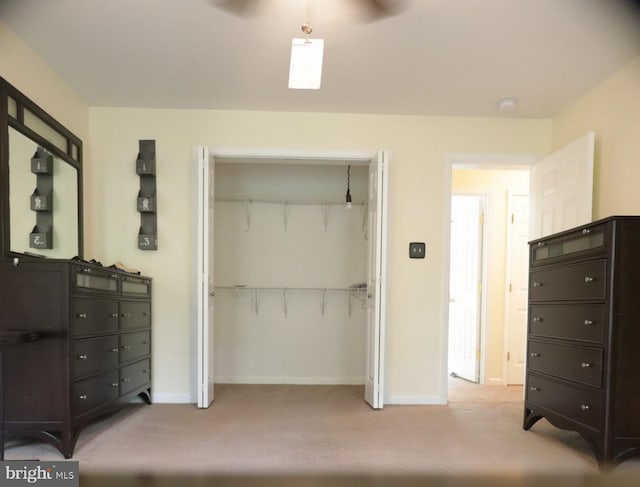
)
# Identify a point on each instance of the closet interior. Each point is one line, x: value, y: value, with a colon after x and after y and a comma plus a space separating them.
x: 290, y: 267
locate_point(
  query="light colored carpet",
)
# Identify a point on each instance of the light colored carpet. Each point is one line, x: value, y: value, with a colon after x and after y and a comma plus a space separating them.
x: 289, y: 430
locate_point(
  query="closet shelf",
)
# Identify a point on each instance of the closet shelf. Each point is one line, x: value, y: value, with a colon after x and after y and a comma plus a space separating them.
x: 286, y: 203
x: 356, y: 291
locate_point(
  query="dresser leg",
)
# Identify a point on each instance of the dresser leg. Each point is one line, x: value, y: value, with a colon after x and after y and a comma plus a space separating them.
x: 530, y: 418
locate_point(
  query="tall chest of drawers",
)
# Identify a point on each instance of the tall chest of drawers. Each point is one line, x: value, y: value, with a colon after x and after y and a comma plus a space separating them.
x: 93, y: 350
x: 583, y: 349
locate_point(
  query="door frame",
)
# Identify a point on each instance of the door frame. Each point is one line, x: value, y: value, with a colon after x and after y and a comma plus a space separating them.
x: 466, y: 161
x: 317, y: 157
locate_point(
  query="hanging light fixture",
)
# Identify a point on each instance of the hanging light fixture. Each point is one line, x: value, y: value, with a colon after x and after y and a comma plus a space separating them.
x: 348, y: 197
x: 305, y: 68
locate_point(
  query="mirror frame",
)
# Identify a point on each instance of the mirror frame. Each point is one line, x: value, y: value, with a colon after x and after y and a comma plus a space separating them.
x: 73, y: 143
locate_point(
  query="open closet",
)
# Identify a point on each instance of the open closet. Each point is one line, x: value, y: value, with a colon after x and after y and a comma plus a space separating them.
x: 290, y: 273
x: 291, y: 287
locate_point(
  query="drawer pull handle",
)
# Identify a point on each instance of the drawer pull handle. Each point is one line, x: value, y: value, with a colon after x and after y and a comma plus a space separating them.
x: 534, y: 354
x: 113, y: 315
x: 589, y: 279
x: 144, y: 342
x: 537, y: 284
x: 114, y: 384
x: 536, y: 319
x: 144, y: 371
x: 540, y: 244
x: 586, y: 231
x: 85, y: 269
x: 82, y: 397
x: 81, y: 315
x: 585, y: 407
x: 82, y: 357
x: 588, y: 322
x: 585, y: 365
x: 534, y: 389
x: 115, y: 350
x: 126, y: 379
x: 125, y: 315
x: 126, y: 347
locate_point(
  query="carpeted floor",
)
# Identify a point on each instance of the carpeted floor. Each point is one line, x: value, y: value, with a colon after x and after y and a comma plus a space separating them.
x: 319, y: 430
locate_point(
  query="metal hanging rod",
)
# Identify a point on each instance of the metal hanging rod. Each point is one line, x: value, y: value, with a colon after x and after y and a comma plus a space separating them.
x: 358, y: 292
x: 280, y: 201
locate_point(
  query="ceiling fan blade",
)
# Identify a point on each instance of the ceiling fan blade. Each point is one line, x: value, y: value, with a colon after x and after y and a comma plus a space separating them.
x: 241, y: 8
x: 379, y: 9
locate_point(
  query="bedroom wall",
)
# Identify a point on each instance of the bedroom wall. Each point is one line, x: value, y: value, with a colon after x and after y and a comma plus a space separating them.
x: 416, y: 331
x: 612, y: 110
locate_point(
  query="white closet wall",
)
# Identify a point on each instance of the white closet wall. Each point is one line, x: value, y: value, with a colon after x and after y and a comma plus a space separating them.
x: 297, y: 243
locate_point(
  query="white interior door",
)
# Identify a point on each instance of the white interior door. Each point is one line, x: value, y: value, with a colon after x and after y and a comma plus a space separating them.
x: 561, y: 188
x: 205, y: 284
x: 376, y: 277
x: 465, y: 294
x: 517, y: 279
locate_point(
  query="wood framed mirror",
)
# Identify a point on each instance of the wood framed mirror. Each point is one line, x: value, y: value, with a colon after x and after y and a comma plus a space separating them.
x: 40, y: 181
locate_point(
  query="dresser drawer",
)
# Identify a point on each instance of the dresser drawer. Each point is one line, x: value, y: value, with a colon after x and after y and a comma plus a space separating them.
x: 582, y: 322
x: 95, y: 391
x: 91, y: 316
x: 135, y: 314
x: 94, y: 354
x: 580, y: 405
x: 590, y: 240
x: 579, y: 364
x: 134, y: 345
x: 134, y: 376
x: 578, y: 281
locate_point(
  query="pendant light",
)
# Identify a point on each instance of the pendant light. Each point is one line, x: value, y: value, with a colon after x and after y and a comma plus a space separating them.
x: 305, y: 68
x: 348, y: 196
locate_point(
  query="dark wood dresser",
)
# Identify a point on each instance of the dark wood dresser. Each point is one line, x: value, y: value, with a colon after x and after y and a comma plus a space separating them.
x: 583, y: 356
x: 96, y: 353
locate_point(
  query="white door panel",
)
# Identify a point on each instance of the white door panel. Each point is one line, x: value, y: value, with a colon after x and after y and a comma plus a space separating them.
x: 517, y: 278
x: 205, y: 285
x: 562, y: 188
x: 376, y: 282
x: 465, y: 291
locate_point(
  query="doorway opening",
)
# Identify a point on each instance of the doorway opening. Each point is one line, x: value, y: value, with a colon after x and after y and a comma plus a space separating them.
x: 484, y: 339
x: 297, y: 274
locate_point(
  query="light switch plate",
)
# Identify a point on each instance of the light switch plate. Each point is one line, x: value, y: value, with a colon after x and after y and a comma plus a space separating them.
x: 417, y: 250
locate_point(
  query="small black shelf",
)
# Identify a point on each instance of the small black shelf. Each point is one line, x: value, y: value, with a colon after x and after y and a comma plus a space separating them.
x: 146, y: 202
x: 42, y: 200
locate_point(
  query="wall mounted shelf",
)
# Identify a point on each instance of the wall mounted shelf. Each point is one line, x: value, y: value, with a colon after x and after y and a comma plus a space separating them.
x: 146, y: 203
x: 41, y: 237
x: 287, y: 204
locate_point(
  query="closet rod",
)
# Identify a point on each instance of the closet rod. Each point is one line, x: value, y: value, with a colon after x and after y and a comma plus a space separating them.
x: 275, y: 201
x: 354, y: 290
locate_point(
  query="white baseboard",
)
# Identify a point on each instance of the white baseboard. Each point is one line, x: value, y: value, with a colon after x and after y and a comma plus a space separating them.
x: 496, y: 381
x: 324, y: 381
x: 169, y: 398
x: 415, y: 400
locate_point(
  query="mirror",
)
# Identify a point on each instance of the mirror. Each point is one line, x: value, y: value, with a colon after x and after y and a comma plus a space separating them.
x: 64, y: 201
x: 26, y: 131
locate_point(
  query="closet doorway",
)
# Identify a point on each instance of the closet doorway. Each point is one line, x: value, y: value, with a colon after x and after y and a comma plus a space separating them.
x: 292, y: 279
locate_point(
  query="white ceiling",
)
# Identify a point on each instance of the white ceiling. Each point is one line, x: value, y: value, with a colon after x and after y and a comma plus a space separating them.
x: 436, y: 57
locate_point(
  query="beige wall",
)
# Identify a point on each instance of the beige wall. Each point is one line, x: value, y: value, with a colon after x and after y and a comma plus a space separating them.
x: 20, y: 66
x: 612, y: 110
x: 419, y: 147
x: 496, y: 185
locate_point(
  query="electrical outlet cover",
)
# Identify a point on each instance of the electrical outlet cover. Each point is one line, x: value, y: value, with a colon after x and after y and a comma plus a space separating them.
x: 417, y: 250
